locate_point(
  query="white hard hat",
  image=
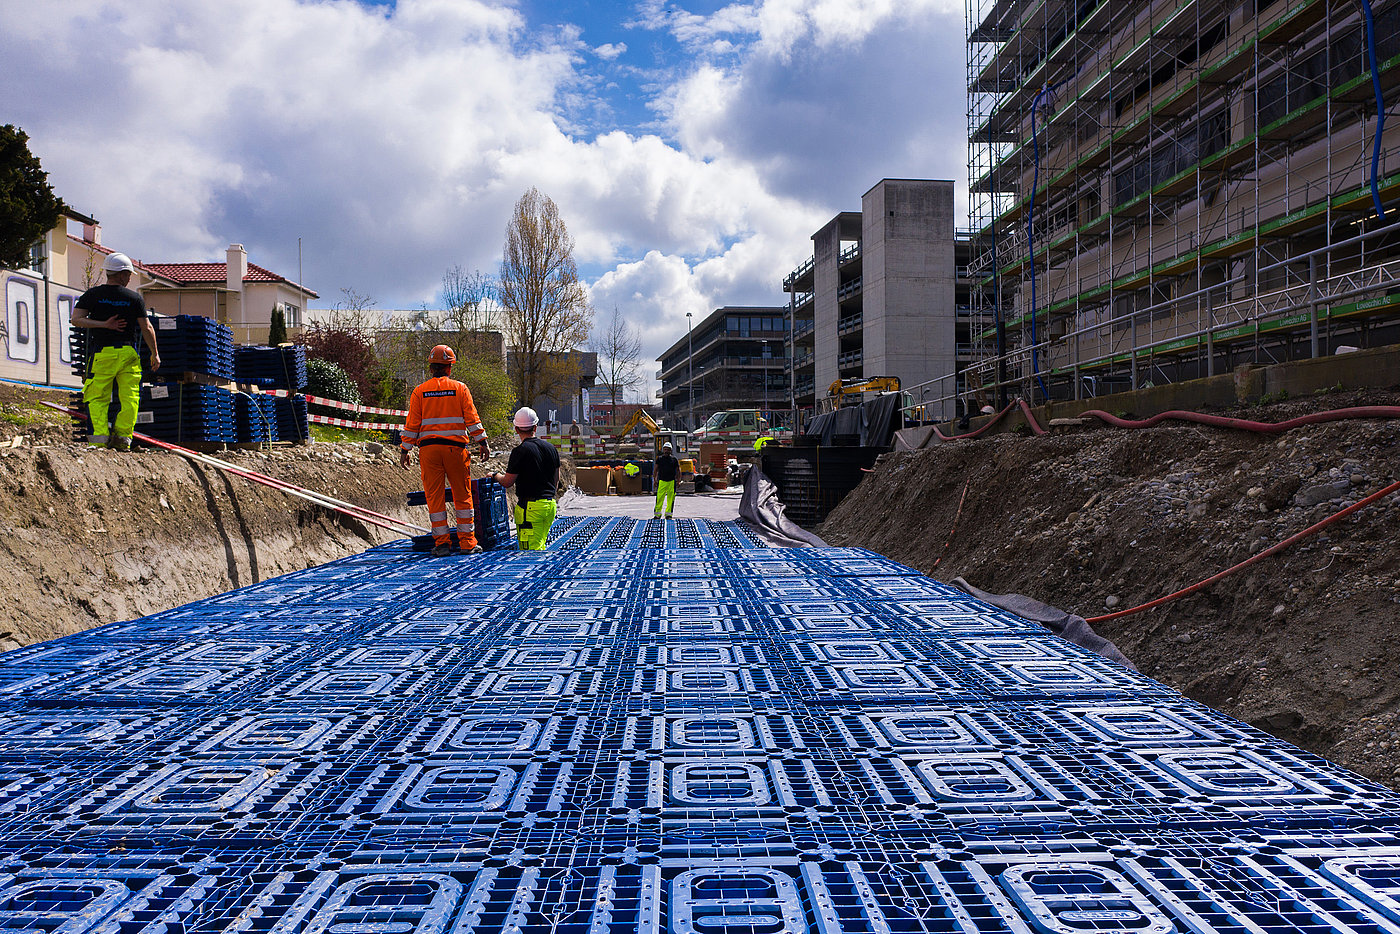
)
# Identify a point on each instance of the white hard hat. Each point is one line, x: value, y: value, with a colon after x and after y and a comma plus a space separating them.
x: 118, y: 262
x: 526, y: 418
x: 666, y: 446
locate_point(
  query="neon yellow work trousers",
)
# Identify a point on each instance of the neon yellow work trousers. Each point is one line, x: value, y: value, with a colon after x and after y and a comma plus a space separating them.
x: 665, y: 494
x: 532, y: 523
x: 120, y: 365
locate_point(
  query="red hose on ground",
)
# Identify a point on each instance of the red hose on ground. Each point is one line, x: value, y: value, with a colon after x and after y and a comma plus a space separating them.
x: 1248, y: 561
x: 1219, y: 421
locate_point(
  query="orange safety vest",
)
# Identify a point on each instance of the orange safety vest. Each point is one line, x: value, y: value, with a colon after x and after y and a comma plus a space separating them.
x: 441, y: 408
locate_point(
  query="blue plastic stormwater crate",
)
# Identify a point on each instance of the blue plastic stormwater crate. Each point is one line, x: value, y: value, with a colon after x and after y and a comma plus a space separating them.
x: 271, y: 367
x: 679, y: 733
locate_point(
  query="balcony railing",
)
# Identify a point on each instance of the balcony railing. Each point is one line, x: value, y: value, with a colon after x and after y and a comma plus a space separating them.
x: 849, y: 289
x: 802, y: 360
x: 850, y: 323
x: 801, y: 328
x: 849, y: 253
x: 804, y: 387
x: 798, y: 273
x: 850, y: 358
x: 803, y: 300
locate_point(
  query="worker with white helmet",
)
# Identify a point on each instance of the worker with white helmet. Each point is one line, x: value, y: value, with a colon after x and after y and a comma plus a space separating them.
x: 533, y: 469
x: 441, y: 419
x: 112, y: 315
x: 665, y: 471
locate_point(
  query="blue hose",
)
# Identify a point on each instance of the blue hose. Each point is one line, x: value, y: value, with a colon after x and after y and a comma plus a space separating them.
x: 1380, y: 106
x: 1030, y: 235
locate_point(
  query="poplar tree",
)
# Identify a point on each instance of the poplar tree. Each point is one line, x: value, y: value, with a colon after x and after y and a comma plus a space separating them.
x: 545, y: 307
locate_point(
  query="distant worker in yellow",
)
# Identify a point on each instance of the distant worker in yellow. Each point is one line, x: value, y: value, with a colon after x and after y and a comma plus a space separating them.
x: 112, y: 314
x: 665, y: 471
x: 441, y: 417
x: 533, y: 469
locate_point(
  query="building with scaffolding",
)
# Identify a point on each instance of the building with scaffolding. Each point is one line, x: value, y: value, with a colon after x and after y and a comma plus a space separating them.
x: 880, y: 294
x: 1166, y: 189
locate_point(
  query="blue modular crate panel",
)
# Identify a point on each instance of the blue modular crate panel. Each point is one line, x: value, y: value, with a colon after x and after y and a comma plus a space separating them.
x: 651, y: 726
x: 273, y: 367
x: 255, y: 417
x: 292, y: 421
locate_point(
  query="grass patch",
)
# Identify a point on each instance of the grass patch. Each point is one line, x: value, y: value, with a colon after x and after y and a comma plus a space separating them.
x: 336, y: 433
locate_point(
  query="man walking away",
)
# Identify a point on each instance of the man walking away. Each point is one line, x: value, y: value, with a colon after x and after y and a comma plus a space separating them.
x: 667, y: 467
x: 533, y: 469
x: 441, y: 417
x: 112, y: 315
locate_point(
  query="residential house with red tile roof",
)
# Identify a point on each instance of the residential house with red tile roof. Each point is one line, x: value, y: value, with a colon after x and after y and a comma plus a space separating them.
x: 68, y: 260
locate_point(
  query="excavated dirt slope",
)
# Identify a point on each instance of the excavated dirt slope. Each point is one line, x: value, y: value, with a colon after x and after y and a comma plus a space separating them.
x: 90, y: 536
x: 1303, y: 644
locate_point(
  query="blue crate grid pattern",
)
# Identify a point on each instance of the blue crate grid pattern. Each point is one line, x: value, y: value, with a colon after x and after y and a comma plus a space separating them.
x: 188, y: 412
x: 271, y: 367
x: 191, y: 343
x: 255, y: 417
x: 723, y: 738
x: 292, y: 421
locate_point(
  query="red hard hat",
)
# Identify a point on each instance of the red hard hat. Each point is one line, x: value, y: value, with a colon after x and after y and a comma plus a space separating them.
x: 442, y: 354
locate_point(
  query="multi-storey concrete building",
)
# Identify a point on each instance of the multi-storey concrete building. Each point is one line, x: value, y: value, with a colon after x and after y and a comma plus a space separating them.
x: 733, y: 359
x: 1165, y: 189
x: 878, y: 297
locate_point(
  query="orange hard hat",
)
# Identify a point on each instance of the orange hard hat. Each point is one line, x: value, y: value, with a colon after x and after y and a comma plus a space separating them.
x: 442, y: 354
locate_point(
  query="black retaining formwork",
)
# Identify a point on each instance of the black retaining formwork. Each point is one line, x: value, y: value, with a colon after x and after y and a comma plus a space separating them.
x: 813, y: 479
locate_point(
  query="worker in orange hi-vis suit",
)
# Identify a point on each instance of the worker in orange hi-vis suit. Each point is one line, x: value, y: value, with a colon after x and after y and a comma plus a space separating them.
x: 441, y: 417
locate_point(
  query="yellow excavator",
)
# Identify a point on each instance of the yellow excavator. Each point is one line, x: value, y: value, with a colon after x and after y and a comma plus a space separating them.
x: 659, y: 435
x: 850, y: 391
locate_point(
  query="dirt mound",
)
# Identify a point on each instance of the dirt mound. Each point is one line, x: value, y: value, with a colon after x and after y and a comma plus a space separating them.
x: 91, y: 536
x: 1092, y: 518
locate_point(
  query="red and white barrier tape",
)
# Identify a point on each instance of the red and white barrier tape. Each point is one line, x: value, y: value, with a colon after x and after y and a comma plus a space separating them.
x: 337, y: 404
x: 351, y: 423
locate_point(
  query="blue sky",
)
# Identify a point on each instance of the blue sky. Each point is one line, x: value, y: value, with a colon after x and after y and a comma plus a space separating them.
x: 692, y: 146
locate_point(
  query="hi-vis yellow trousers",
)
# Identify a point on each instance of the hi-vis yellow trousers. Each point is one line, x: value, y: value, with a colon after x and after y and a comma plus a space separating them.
x: 120, y: 365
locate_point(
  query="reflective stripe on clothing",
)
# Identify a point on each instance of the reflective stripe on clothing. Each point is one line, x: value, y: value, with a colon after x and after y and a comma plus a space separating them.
x: 120, y: 366
x: 532, y: 523
x: 440, y: 465
x: 441, y: 407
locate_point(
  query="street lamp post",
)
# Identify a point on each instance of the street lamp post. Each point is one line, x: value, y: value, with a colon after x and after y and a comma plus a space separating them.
x: 765, y: 375
x: 690, y: 369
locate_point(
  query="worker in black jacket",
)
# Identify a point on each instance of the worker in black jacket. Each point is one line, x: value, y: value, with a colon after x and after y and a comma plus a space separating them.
x: 667, y: 467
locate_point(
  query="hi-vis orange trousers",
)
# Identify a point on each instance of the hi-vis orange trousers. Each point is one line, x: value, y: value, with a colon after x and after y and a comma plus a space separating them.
x: 439, y: 463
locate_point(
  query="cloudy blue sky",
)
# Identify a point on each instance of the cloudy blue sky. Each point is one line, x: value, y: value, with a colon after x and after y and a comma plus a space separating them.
x: 692, y: 146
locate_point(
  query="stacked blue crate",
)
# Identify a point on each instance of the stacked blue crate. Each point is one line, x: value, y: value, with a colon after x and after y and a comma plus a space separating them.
x: 191, y: 344
x: 255, y: 417
x: 716, y: 739
x: 491, y: 512
x: 188, y: 412
x: 292, y: 421
x: 281, y: 367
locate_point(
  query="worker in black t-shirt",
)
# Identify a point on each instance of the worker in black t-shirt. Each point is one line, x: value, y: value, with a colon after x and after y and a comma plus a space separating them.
x: 112, y: 314
x: 533, y: 469
x: 667, y: 468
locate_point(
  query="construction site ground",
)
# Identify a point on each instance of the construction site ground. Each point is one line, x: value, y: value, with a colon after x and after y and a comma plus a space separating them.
x: 1091, y: 519
x: 1085, y: 519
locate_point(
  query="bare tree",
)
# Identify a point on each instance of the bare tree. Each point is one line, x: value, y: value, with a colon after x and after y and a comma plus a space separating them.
x: 545, y: 307
x: 468, y: 300
x: 619, y: 350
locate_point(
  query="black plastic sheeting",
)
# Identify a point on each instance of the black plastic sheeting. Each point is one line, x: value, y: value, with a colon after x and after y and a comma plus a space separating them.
x: 871, y: 424
x: 1065, y: 625
x: 760, y: 507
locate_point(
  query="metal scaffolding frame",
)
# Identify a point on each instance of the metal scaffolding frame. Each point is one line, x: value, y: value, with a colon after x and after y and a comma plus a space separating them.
x: 1200, y: 173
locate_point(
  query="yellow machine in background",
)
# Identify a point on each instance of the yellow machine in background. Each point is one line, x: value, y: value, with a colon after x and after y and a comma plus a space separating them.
x: 659, y: 435
x: 852, y: 391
